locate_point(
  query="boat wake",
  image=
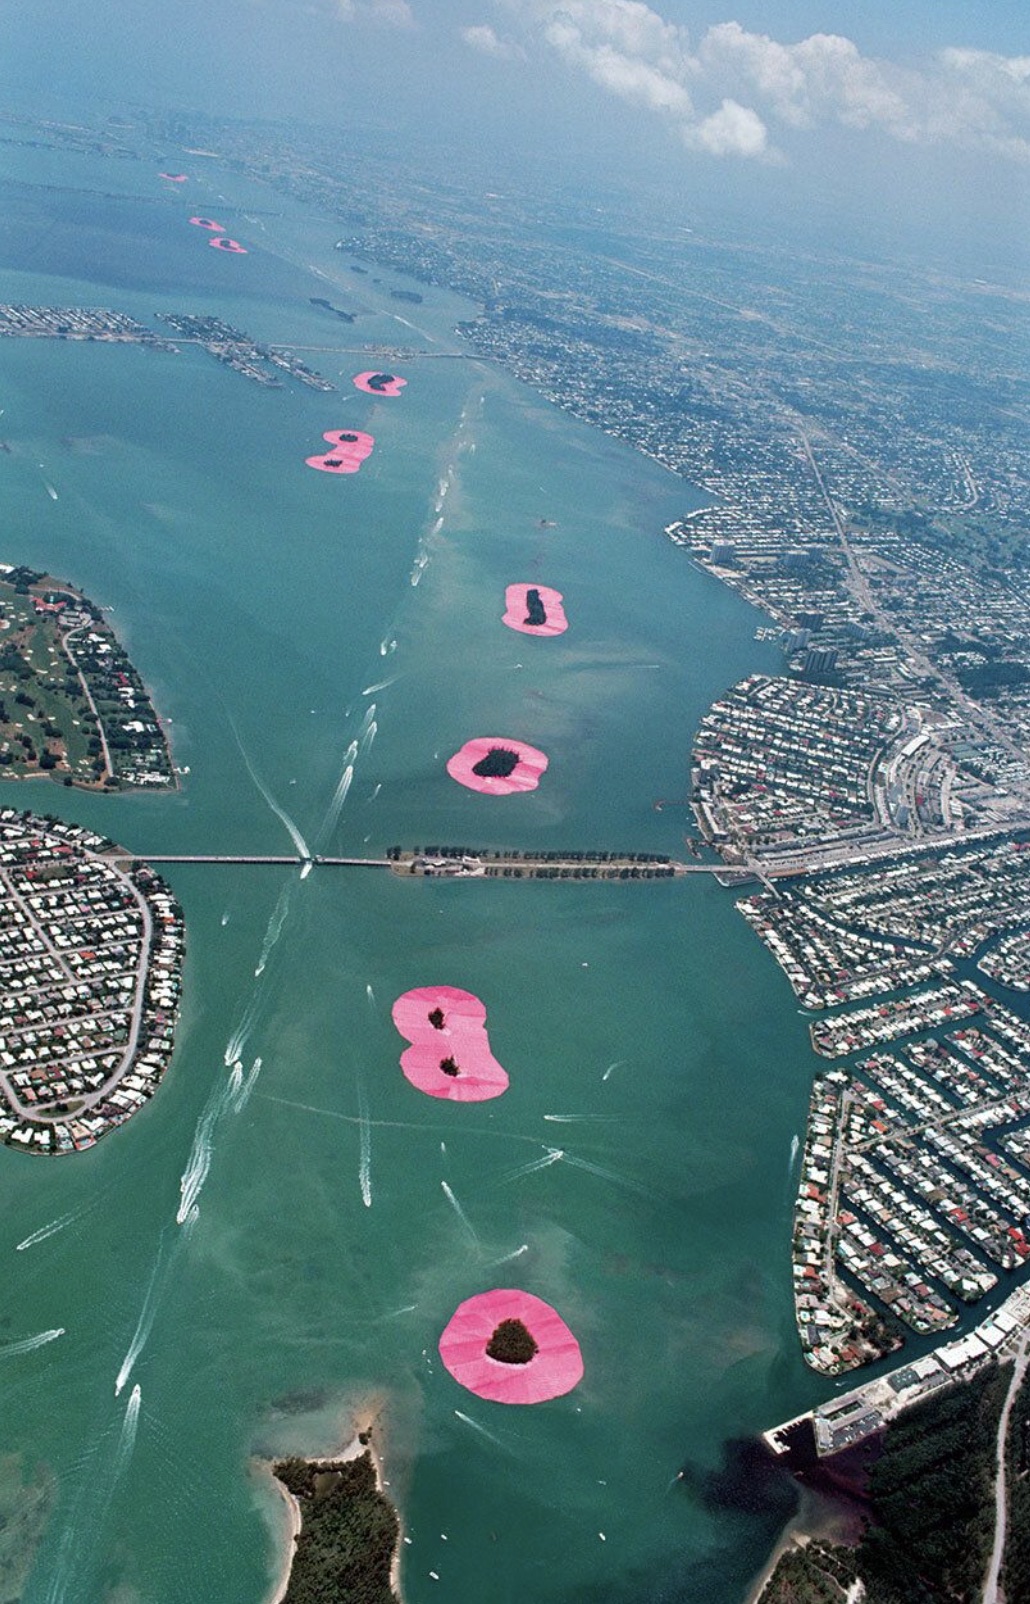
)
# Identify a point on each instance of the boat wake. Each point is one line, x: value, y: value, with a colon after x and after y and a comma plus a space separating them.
x: 277, y: 919
x: 11, y: 1350
x: 460, y: 1212
x: 365, y: 1149
x: 552, y: 1156
x: 241, y: 1094
x: 130, y: 1426
x: 281, y: 814
x: 507, y: 1258
x: 142, y: 1332
x: 468, y: 1420
x: 198, y: 1164
x: 48, y: 1230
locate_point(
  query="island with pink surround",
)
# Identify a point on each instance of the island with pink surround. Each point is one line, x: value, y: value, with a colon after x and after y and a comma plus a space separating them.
x: 534, y: 610
x: 450, y: 1052
x: 379, y: 383
x: 510, y: 1347
x: 497, y: 765
x: 350, y: 447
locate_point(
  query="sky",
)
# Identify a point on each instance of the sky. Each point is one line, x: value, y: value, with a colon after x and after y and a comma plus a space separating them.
x: 916, y: 110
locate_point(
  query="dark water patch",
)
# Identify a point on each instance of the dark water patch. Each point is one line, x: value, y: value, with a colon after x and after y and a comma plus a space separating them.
x: 751, y: 1480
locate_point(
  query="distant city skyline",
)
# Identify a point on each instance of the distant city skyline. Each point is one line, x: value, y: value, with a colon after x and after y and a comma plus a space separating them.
x: 913, y: 113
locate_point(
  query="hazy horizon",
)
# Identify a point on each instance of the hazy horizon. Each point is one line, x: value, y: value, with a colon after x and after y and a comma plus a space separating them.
x: 817, y: 116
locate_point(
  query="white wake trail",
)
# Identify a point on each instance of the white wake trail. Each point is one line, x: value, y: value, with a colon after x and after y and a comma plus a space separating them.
x: 11, y: 1350
x: 617, y: 1065
x: 198, y: 1164
x: 365, y: 1149
x: 292, y: 828
x: 482, y: 1430
x: 242, y: 1097
x: 506, y: 1258
x: 45, y: 1231
x: 276, y: 920
x: 552, y: 1156
x: 130, y: 1426
x: 335, y: 807
x: 142, y: 1332
x: 460, y: 1212
x: 380, y: 685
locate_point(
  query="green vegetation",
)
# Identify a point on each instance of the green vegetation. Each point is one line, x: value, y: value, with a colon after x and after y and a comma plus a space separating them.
x: 987, y: 679
x: 932, y: 1497
x: 65, y: 683
x: 1015, y: 1571
x: 536, y: 612
x: 512, y: 1343
x: 815, y: 1574
x: 349, y: 1533
x: 498, y: 763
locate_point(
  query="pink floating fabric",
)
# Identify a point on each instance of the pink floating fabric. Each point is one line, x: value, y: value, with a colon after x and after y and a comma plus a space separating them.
x: 458, y: 1040
x: 350, y: 448
x: 473, y: 1074
x: 517, y: 608
x: 207, y: 222
x: 380, y: 383
x: 174, y: 178
x: 525, y: 776
x: 555, y: 1368
x: 460, y: 1009
x: 221, y: 242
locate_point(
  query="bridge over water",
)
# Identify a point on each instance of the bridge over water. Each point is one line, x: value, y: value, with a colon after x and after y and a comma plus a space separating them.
x: 477, y: 869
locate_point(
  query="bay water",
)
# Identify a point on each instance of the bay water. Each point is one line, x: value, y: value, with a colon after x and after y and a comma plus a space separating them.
x: 649, y: 1041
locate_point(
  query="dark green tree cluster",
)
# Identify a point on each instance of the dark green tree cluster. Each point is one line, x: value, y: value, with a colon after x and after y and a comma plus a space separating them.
x: 348, y: 1535
x: 498, y: 763
x: 1015, y: 1573
x: 933, y: 1497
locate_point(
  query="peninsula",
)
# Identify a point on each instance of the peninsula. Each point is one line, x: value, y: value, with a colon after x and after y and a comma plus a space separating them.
x: 90, y: 962
x: 72, y: 705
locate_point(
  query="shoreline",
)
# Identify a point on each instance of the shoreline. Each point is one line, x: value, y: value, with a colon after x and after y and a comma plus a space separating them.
x: 365, y: 1420
x: 819, y: 1517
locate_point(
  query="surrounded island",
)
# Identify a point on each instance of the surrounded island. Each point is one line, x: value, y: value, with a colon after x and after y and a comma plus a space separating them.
x: 72, y: 705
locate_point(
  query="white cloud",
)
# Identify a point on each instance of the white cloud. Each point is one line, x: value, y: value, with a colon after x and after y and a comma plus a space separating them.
x: 730, y: 92
x: 631, y: 77
x: 486, y: 41
x: 733, y: 130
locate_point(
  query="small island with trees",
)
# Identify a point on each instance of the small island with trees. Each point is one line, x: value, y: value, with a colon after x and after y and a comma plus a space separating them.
x: 346, y: 1549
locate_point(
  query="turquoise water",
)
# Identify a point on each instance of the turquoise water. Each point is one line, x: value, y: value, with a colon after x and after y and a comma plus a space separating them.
x: 259, y: 601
